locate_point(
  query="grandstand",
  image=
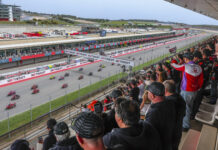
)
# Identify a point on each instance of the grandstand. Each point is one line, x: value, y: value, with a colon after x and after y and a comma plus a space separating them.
x: 13, y: 55
x: 174, y: 95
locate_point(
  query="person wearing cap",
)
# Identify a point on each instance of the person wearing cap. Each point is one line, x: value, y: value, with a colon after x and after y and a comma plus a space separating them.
x: 50, y: 140
x: 161, y: 114
x: 111, y: 122
x: 20, y: 144
x: 115, y: 94
x: 192, y: 81
x: 64, y: 141
x: 180, y: 106
x: 131, y: 134
x: 89, y: 130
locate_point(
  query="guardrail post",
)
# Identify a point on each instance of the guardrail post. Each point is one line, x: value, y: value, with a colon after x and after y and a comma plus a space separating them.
x: 50, y: 106
x: 9, y: 133
x: 31, y: 116
x: 116, y: 74
x: 69, y: 110
x: 119, y: 74
x: 79, y: 91
x: 65, y: 98
x: 108, y: 81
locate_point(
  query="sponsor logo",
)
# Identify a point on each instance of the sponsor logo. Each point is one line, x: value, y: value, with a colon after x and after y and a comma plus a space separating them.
x: 16, y: 79
x: 39, y: 73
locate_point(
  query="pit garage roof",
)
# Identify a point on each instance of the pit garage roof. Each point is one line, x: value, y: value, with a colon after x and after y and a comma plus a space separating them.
x: 205, y: 7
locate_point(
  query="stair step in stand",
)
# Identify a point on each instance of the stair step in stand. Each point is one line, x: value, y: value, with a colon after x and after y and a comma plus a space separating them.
x: 207, y: 140
x: 205, y: 117
x: 191, y: 140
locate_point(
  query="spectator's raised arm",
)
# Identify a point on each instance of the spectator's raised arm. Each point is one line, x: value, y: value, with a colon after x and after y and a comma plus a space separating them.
x: 178, y: 67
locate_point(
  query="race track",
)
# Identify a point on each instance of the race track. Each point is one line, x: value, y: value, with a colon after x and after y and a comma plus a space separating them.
x: 51, y: 89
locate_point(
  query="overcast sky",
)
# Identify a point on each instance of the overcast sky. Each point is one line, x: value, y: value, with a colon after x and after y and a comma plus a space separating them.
x: 116, y: 9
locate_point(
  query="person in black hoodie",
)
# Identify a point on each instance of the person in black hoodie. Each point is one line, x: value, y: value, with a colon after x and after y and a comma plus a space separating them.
x: 64, y: 141
x: 134, y: 91
x: 161, y: 114
x: 50, y: 140
x: 132, y: 134
x: 170, y: 94
x: 20, y: 144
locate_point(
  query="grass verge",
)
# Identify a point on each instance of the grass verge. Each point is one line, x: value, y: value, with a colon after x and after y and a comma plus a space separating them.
x: 25, y: 117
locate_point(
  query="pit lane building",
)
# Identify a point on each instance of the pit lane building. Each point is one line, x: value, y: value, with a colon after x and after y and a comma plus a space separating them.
x: 9, y: 12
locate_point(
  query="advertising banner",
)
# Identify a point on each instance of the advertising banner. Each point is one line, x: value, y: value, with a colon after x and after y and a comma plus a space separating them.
x: 100, y: 57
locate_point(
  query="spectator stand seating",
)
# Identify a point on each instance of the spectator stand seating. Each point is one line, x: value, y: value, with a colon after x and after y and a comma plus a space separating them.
x: 207, y: 139
x: 207, y: 113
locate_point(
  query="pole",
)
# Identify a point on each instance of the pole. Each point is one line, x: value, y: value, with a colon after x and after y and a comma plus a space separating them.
x: 31, y: 116
x: 9, y: 133
x: 65, y: 98
x: 50, y: 106
x: 69, y: 108
x: 79, y: 91
x: 108, y: 79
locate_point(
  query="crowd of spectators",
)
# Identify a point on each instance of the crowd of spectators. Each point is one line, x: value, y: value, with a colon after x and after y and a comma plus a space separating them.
x: 149, y: 111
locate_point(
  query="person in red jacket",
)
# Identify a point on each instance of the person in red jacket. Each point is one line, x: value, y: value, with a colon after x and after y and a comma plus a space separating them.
x: 107, y: 100
x: 91, y: 105
x: 192, y: 81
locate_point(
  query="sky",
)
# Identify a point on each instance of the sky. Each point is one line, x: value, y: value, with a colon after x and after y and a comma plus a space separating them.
x: 116, y: 9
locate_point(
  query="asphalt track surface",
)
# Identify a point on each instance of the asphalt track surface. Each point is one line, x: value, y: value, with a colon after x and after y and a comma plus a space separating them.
x: 51, y: 89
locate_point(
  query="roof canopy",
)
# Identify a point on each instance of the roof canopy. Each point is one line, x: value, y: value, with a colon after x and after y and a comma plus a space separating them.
x: 205, y: 7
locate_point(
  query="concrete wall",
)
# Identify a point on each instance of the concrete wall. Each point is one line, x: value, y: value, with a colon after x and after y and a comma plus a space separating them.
x: 26, y: 62
x: 18, y: 29
x: 30, y: 61
x: 55, y: 57
x: 8, y: 65
x: 41, y: 59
